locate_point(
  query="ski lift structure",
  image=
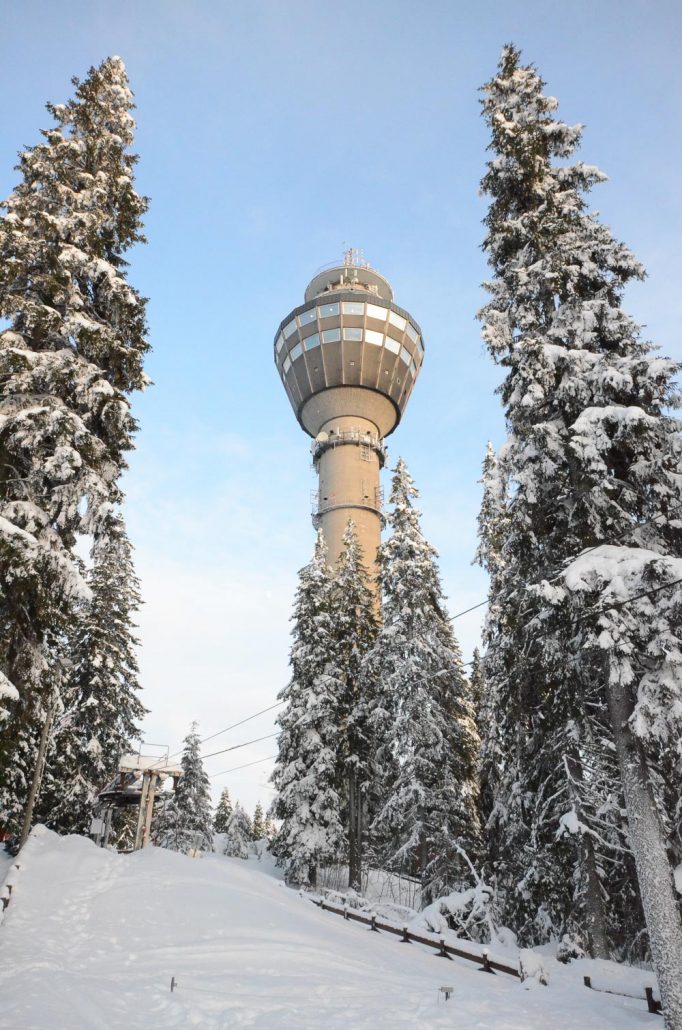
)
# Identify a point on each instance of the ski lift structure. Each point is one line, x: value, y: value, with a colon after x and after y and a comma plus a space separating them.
x: 137, y: 784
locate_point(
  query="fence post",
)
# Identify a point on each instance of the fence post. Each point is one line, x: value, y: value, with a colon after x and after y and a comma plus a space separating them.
x: 651, y: 1003
x: 443, y: 953
x: 405, y: 939
x: 587, y: 980
x: 486, y: 967
x: 373, y: 925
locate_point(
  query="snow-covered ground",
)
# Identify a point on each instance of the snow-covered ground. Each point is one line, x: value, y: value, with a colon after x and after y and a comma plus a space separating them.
x: 91, y: 939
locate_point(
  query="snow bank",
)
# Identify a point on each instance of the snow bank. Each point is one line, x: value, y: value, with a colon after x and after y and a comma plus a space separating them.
x: 92, y: 940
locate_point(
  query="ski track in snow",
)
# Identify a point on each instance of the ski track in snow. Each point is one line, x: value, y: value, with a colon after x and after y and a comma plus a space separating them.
x: 91, y: 940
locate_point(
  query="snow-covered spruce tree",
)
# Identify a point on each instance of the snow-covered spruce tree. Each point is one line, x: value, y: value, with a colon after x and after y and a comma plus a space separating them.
x: 477, y: 682
x: 72, y: 352
x: 429, y: 813
x: 223, y: 812
x: 270, y: 828
x: 355, y: 629
x: 258, y: 823
x: 101, y: 707
x: 493, y: 521
x: 186, y: 822
x: 238, y: 834
x: 592, y: 460
x: 484, y: 719
x: 306, y: 775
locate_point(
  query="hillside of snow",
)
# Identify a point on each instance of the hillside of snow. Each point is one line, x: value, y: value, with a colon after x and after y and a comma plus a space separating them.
x: 91, y: 939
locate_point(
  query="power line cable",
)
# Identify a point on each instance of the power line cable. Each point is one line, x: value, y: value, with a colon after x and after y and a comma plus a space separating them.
x: 641, y: 525
x: 236, y: 768
x: 235, y: 747
x: 612, y: 607
x: 597, y: 611
x: 219, y: 733
x: 242, y: 721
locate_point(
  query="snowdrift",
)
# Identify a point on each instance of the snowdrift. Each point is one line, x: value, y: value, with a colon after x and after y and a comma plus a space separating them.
x: 91, y: 939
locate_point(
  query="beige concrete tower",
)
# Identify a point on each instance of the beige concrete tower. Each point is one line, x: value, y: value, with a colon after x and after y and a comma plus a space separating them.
x: 349, y: 358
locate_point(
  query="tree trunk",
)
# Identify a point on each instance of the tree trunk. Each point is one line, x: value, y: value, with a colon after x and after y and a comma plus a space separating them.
x: 354, y: 839
x: 594, y: 902
x: 423, y: 861
x: 37, y: 777
x: 647, y: 838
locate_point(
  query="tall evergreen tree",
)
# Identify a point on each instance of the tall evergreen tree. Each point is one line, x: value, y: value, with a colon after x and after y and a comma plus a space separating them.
x: 186, y: 821
x: 355, y: 624
x: 306, y: 773
x: 71, y: 354
x: 223, y: 812
x: 592, y: 459
x: 494, y: 758
x: 429, y: 809
x: 101, y: 706
x: 258, y: 823
x: 477, y: 684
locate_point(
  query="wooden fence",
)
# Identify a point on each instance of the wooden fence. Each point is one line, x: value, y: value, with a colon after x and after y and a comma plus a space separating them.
x: 7, y: 888
x: 653, y: 1005
x: 485, y: 963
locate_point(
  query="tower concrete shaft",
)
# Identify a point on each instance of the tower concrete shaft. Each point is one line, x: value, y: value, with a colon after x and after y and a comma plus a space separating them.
x: 349, y: 358
x: 348, y: 463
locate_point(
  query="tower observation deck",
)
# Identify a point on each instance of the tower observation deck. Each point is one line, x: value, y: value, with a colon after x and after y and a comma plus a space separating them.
x: 349, y: 358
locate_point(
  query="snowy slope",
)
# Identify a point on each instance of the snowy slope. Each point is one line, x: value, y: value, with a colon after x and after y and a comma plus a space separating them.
x: 91, y: 939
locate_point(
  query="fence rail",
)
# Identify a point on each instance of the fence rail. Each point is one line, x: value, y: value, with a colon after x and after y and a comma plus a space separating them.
x: 653, y: 1004
x: 486, y: 964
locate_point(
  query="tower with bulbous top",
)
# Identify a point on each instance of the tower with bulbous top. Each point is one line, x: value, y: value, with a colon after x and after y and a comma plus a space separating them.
x: 349, y: 358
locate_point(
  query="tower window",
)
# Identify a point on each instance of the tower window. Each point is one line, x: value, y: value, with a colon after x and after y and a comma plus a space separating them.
x: 372, y: 336
x: 296, y: 352
x: 397, y: 320
x: 307, y: 316
x: 290, y: 328
x: 392, y: 345
x: 353, y: 308
x: 352, y: 334
x: 312, y: 341
x: 412, y: 332
x: 331, y: 335
x: 328, y: 310
x: 374, y: 311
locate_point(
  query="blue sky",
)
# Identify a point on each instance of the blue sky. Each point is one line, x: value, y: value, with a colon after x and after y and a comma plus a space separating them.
x: 271, y: 134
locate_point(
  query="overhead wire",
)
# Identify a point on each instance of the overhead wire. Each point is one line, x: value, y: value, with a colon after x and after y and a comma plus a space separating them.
x: 247, y: 765
x: 451, y: 618
x: 235, y: 747
x: 219, y: 733
x: 269, y: 736
x: 588, y: 550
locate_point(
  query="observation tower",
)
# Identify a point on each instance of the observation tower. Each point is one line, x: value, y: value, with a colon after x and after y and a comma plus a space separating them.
x: 349, y: 358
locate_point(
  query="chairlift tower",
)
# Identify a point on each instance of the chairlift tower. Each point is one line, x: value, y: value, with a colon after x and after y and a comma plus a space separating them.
x: 137, y: 783
x: 349, y: 358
